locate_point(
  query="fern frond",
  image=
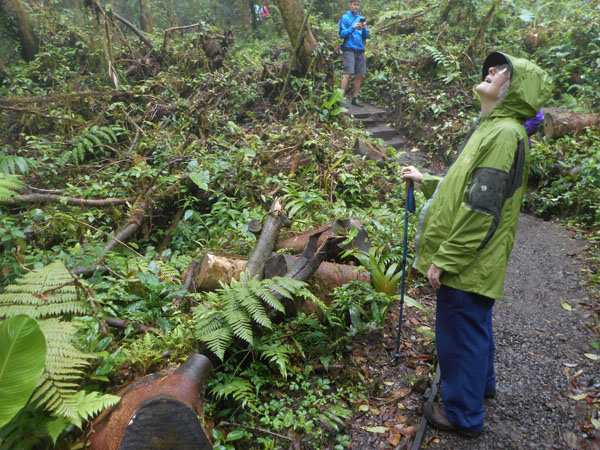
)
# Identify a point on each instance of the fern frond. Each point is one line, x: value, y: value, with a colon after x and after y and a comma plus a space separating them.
x: 10, y: 163
x: 91, y: 403
x: 256, y: 309
x: 278, y: 354
x: 9, y: 185
x: 238, y: 388
x: 240, y: 324
x: 45, y: 292
x: 265, y: 290
x: 218, y: 341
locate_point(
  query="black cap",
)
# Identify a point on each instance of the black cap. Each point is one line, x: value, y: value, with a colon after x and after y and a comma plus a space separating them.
x: 495, y: 59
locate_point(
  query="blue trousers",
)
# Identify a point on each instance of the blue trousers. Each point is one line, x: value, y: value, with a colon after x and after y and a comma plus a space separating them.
x: 465, y: 345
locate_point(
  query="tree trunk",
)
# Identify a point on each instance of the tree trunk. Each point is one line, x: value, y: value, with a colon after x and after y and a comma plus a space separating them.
x: 560, y: 124
x: 243, y: 8
x: 171, y: 13
x: 161, y: 408
x: 29, y: 40
x: 300, y: 34
x: 145, y: 17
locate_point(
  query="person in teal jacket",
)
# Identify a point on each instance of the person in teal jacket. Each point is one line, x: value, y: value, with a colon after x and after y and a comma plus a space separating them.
x: 466, y: 234
x: 352, y: 28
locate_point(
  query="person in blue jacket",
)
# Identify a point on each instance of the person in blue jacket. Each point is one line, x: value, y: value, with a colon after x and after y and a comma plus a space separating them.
x: 353, y: 29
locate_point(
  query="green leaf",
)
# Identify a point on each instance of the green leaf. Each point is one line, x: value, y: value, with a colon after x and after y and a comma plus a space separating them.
x: 379, y: 430
x: 412, y: 302
x: 235, y: 435
x: 201, y: 179
x: 22, y: 358
x: 566, y: 306
x: 592, y: 356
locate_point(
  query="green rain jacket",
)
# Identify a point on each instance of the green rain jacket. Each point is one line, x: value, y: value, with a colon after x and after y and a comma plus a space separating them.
x: 467, y: 227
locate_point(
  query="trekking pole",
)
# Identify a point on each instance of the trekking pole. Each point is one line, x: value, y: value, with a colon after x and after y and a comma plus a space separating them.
x: 409, y: 208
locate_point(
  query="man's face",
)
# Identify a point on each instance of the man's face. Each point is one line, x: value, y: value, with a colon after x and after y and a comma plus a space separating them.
x: 490, y: 86
x: 354, y: 6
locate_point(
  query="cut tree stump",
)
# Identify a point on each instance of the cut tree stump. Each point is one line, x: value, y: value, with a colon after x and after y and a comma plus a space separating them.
x: 563, y: 123
x: 217, y: 268
x: 158, y: 412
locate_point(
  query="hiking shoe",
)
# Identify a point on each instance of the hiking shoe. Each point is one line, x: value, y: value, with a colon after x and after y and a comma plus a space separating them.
x: 434, y: 413
x: 356, y: 102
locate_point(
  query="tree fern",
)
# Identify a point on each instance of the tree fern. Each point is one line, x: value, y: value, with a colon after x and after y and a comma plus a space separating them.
x: 233, y: 309
x: 9, y: 187
x: 49, y: 293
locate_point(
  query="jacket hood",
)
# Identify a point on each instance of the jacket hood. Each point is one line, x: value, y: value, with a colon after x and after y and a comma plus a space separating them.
x: 530, y: 87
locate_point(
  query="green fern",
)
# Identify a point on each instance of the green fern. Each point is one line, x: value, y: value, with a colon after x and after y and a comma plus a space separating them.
x: 9, y: 185
x: 449, y: 66
x: 9, y: 164
x: 231, y: 311
x: 48, y: 294
x: 238, y: 388
x: 93, y: 139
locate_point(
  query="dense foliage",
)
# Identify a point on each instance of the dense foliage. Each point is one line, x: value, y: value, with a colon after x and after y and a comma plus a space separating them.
x: 187, y: 151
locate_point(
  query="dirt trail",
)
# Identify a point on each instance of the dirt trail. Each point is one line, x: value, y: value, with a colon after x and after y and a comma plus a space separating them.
x: 542, y: 335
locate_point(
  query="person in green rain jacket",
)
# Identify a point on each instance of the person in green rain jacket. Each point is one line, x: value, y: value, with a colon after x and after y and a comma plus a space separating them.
x: 466, y: 234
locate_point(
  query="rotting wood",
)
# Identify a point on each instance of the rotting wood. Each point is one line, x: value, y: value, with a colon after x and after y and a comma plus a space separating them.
x: 162, y: 407
x: 563, y: 123
x: 264, y: 246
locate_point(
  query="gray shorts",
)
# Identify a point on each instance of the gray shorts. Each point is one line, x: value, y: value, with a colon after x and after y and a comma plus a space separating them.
x: 354, y: 62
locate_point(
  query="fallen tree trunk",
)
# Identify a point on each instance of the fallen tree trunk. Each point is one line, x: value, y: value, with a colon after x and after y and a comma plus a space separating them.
x: 31, y: 198
x: 560, y: 124
x: 160, y: 408
x: 221, y: 268
x: 335, y: 274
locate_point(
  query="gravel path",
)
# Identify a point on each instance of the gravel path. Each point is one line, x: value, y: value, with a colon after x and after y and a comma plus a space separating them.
x: 540, y: 347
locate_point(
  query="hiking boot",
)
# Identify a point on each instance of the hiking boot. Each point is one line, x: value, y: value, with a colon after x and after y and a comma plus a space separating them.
x: 356, y: 102
x: 434, y: 413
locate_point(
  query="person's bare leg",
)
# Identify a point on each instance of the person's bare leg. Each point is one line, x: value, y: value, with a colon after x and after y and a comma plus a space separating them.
x: 345, y: 81
x: 357, y: 82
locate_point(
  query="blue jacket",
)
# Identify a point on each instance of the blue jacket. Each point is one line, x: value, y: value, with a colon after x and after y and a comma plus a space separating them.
x: 353, y: 39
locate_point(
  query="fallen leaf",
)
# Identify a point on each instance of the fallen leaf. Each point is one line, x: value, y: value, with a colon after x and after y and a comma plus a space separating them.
x: 566, y: 306
x: 592, y: 356
x: 596, y: 423
x: 363, y: 408
x: 379, y: 430
x: 389, y: 383
x: 375, y: 411
x: 577, y: 397
x: 394, y: 438
x: 571, y: 365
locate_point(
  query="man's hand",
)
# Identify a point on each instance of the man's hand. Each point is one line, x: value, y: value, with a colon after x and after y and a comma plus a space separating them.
x: 410, y: 173
x: 433, y: 275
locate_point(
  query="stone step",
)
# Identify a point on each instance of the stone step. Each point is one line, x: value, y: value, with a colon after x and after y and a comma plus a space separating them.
x: 398, y: 142
x: 384, y: 132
